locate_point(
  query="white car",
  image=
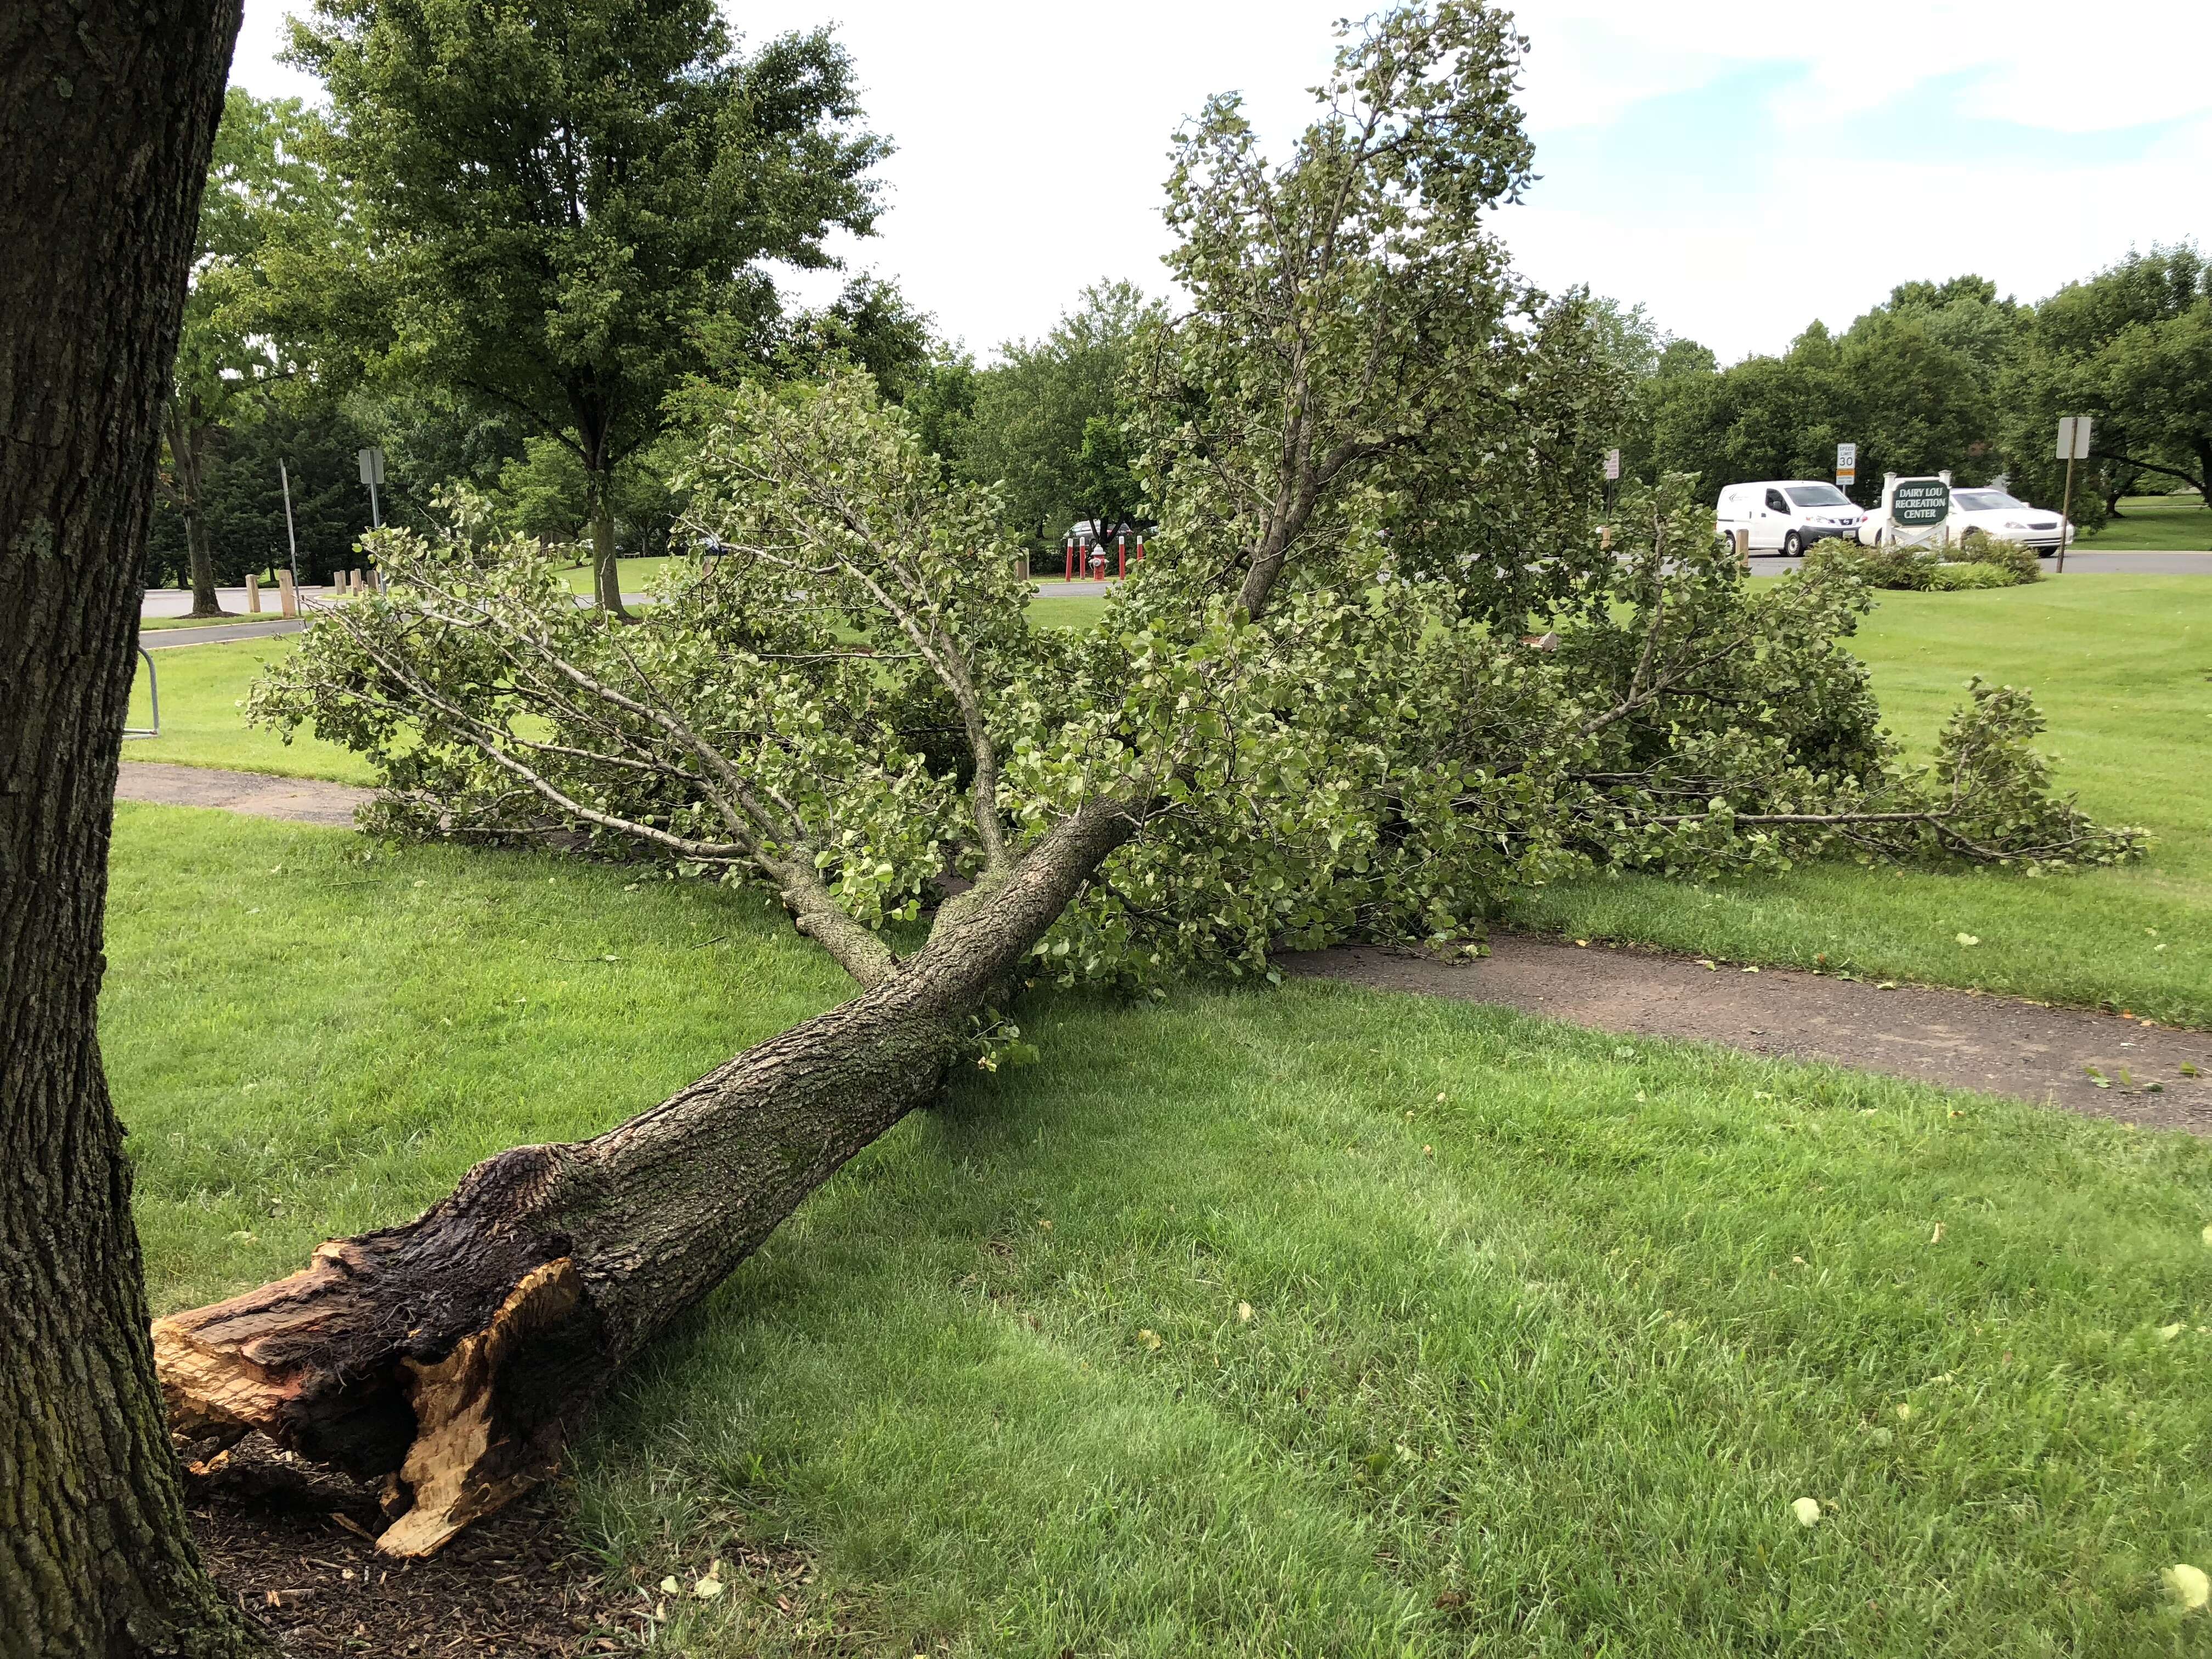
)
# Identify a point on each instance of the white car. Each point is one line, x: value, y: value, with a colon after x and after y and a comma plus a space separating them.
x: 1979, y: 512
x: 1788, y: 515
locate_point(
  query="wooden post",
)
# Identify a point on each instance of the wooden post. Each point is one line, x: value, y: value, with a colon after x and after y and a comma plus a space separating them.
x: 1743, y: 548
x: 356, y: 581
x: 287, y: 597
x: 252, y: 594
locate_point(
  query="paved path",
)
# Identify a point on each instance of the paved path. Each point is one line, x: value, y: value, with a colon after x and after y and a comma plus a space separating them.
x: 299, y: 801
x: 1959, y: 1039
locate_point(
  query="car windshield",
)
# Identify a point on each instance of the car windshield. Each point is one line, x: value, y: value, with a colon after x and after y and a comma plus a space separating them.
x: 1818, y: 495
x: 1983, y: 501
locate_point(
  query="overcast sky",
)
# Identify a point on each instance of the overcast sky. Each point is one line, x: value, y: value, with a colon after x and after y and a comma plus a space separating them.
x: 1739, y: 166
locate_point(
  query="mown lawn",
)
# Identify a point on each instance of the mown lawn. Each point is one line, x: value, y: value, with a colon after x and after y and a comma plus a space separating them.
x: 201, y: 688
x: 2154, y: 524
x: 1307, y: 1321
x: 2121, y: 667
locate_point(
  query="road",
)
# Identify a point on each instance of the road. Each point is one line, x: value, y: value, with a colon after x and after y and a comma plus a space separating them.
x: 167, y: 602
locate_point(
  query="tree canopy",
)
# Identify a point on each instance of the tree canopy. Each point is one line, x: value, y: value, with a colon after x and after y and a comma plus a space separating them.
x: 559, y: 202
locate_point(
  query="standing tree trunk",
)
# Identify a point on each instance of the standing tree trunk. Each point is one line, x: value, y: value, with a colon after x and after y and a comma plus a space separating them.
x: 607, y: 570
x: 187, y: 438
x: 107, y: 114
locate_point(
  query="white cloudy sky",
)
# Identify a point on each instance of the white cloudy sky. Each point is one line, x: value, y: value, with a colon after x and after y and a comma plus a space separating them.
x: 1734, y: 165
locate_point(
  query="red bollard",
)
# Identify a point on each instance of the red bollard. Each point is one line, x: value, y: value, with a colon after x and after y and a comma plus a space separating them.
x: 1067, y: 558
x: 1122, y: 556
x: 1140, y: 547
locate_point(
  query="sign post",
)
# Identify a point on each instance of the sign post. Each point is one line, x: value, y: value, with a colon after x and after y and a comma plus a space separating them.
x: 372, y: 474
x: 1612, y: 475
x: 291, y: 539
x: 2073, y: 445
x: 1847, y: 465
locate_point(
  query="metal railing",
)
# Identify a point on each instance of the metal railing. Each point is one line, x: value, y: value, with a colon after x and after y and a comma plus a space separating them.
x: 153, y: 695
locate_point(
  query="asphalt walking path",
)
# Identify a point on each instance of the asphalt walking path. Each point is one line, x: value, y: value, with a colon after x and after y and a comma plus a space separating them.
x: 2100, y: 1064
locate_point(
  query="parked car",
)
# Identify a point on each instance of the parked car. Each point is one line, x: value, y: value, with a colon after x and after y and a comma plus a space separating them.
x: 1980, y: 512
x: 1788, y: 515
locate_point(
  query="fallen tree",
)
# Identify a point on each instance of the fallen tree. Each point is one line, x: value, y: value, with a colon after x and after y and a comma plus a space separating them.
x: 1313, y: 717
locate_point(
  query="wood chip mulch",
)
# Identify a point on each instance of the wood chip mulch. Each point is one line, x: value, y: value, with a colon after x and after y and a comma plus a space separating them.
x: 294, y: 1544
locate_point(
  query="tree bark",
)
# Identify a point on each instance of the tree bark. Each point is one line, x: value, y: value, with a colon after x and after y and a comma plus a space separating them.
x: 607, y: 570
x: 450, y: 1355
x: 107, y: 113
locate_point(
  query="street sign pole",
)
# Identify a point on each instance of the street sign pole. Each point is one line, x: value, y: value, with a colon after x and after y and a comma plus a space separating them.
x: 372, y: 474
x: 1611, y: 477
x: 291, y: 537
x: 1847, y: 465
x: 2074, y: 432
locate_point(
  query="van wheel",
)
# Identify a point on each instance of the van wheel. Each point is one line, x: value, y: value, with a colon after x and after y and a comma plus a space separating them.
x: 1793, y: 545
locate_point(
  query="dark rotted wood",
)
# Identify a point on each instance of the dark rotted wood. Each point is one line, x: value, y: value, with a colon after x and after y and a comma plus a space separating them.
x: 455, y: 1350
x: 108, y: 114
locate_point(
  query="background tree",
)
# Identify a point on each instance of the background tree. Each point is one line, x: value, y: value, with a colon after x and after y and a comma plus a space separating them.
x: 1047, y: 419
x: 1915, y: 382
x: 2132, y: 347
x: 241, y: 501
x: 559, y: 197
x: 263, y: 183
x: 107, y: 115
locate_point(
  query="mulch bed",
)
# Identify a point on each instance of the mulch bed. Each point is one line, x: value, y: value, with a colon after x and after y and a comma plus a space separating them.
x: 294, y: 1544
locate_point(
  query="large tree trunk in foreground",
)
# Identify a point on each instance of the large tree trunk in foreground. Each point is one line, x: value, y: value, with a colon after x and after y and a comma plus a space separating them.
x: 453, y: 1352
x: 107, y: 114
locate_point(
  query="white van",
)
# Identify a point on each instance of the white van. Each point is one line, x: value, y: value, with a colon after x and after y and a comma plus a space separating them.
x: 1787, y: 515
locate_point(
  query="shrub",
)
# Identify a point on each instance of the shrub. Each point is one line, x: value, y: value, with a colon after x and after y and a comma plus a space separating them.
x: 1952, y: 578
x: 1981, y: 564
x: 1905, y: 569
x: 2019, y: 563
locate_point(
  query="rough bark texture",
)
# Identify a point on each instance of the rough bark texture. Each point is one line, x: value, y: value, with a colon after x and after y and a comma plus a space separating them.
x: 453, y: 1352
x: 606, y: 569
x: 107, y: 113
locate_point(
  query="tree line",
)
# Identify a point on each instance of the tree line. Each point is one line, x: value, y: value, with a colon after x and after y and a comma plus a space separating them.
x: 1948, y: 375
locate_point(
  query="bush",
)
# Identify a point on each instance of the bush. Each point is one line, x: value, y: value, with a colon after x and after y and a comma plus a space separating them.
x: 1981, y: 564
x: 1952, y: 578
x: 2020, y: 564
x: 1898, y: 568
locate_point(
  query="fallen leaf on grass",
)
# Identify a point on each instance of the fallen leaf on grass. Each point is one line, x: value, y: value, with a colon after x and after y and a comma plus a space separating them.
x: 2187, y: 1585
x: 669, y: 1586
x: 1936, y: 1238
x: 2167, y: 1333
x: 1968, y: 939
x: 1243, y: 1313
x: 1808, y: 1511
x: 1150, y: 1339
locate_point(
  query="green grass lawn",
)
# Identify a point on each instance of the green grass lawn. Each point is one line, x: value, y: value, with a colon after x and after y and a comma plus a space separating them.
x: 637, y: 575
x: 201, y: 687
x: 229, y: 619
x: 2122, y: 666
x: 1311, y: 1321
x: 2154, y: 524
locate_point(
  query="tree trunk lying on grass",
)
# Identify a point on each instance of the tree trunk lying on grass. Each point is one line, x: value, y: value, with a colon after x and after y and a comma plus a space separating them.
x: 453, y: 1352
